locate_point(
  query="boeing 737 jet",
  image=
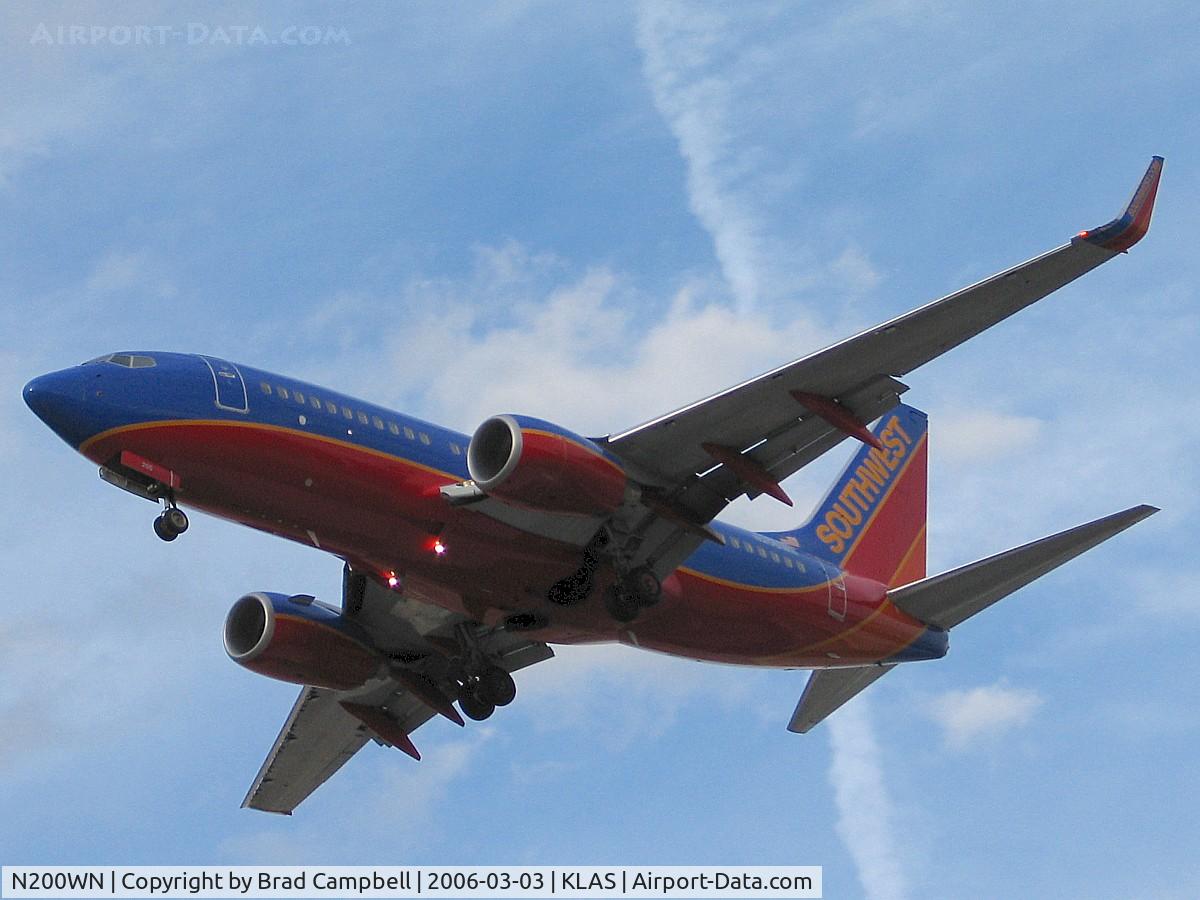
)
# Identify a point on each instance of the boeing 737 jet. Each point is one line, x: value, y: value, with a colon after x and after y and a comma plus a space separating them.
x: 465, y: 558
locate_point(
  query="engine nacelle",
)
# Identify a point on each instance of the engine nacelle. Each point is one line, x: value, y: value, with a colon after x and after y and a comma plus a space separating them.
x: 296, y: 639
x: 531, y: 463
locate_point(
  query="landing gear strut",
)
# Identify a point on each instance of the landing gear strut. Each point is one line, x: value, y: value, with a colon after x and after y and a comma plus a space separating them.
x: 171, y: 522
x: 577, y: 586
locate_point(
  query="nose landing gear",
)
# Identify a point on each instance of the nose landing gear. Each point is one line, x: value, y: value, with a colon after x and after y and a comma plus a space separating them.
x: 171, y: 522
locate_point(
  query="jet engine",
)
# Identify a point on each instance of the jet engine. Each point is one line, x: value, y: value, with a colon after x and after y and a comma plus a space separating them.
x: 294, y: 638
x: 535, y: 464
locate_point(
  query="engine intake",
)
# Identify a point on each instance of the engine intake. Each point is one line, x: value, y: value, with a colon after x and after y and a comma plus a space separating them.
x: 536, y: 464
x: 293, y: 638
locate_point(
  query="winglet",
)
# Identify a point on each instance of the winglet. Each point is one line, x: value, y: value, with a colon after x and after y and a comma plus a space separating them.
x: 1121, y: 234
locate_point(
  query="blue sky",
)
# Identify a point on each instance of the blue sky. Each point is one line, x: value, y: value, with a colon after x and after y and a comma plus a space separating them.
x: 593, y: 213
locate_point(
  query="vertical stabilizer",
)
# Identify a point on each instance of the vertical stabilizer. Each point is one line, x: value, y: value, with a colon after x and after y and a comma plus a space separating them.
x: 872, y: 522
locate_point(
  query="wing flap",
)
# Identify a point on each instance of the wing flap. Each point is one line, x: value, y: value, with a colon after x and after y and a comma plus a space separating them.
x: 950, y: 598
x: 317, y: 739
x: 828, y: 689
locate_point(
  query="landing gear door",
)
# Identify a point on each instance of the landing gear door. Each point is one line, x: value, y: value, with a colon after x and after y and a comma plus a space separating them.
x: 228, y: 384
x: 836, y: 583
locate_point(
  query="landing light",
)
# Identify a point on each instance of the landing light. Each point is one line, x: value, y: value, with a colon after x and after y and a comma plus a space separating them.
x: 439, y: 548
x: 392, y: 580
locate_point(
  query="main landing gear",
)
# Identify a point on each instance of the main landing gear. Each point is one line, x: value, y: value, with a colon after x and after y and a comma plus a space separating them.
x: 631, y: 593
x: 483, y: 685
x: 480, y: 694
x: 171, y: 522
x: 635, y: 588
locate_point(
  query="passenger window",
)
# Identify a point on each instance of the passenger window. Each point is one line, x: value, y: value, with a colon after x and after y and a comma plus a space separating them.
x: 347, y: 412
x: 774, y: 557
x: 455, y: 449
x: 282, y: 392
x: 735, y: 543
x: 393, y: 428
x: 787, y: 561
x: 266, y: 388
x: 410, y: 434
x: 362, y: 418
x: 331, y: 407
x: 424, y: 439
x: 314, y: 403
x: 762, y: 552
x: 377, y: 422
x: 299, y: 397
x: 748, y: 549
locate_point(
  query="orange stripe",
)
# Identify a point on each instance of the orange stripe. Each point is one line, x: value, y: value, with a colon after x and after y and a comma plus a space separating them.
x: 172, y: 423
x: 912, y: 548
x: 562, y: 437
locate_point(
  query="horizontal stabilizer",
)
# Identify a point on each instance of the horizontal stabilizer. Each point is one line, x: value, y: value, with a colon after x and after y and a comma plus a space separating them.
x: 952, y: 597
x: 828, y: 689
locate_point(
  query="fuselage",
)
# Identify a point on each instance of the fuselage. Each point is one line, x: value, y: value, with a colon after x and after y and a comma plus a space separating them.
x: 362, y: 482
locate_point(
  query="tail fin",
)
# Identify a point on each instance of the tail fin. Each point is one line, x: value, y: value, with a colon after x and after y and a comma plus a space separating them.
x: 872, y: 522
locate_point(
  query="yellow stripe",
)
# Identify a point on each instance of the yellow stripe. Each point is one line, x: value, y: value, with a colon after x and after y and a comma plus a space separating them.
x: 724, y: 582
x: 911, y: 549
x: 280, y: 429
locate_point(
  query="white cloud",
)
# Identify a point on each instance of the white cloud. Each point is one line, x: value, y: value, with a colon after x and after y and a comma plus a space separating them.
x: 982, y: 436
x: 865, y: 816
x: 570, y: 351
x: 969, y: 715
x: 632, y: 696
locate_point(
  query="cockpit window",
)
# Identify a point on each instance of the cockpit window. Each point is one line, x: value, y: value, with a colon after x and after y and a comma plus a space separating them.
x: 128, y: 360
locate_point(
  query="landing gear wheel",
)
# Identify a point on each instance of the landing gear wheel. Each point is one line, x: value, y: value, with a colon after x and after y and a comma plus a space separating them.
x: 644, y: 585
x: 497, y: 687
x: 176, y: 519
x: 474, y: 706
x: 620, y: 605
x: 163, y: 530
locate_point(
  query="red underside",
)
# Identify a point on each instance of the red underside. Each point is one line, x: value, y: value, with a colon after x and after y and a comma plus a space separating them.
x: 383, y: 513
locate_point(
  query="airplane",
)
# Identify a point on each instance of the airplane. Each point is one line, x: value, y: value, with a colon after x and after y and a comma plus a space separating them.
x: 465, y: 558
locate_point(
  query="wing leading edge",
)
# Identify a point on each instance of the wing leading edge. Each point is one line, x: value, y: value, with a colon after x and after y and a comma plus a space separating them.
x: 671, y: 447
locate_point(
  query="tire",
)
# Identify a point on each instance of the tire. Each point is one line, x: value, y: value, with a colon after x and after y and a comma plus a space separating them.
x: 620, y: 605
x: 163, y: 530
x: 497, y: 687
x: 643, y: 584
x: 176, y: 519
x: 475, y: 707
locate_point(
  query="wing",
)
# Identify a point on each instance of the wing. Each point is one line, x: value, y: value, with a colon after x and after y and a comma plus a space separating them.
x: 326, y: 727
x: 763, y: 430
x: 316, y: 740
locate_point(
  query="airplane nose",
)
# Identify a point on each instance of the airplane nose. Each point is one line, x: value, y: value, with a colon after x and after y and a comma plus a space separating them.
x: 56, y: 398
